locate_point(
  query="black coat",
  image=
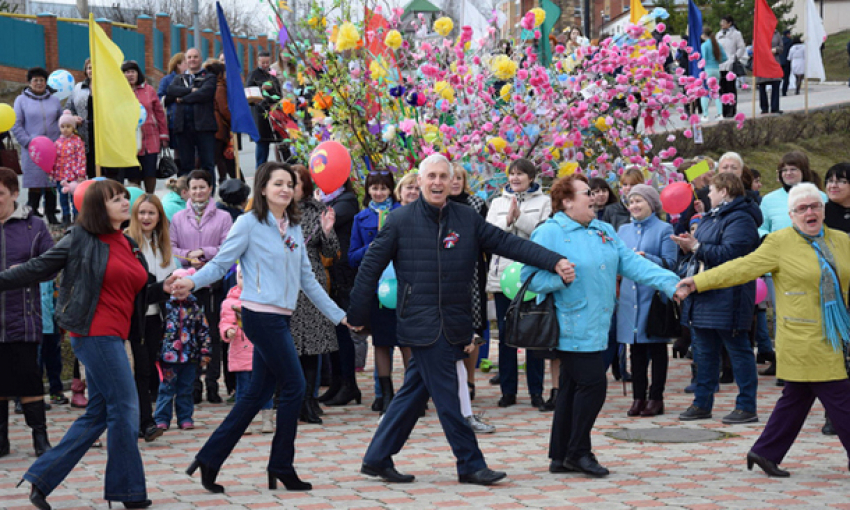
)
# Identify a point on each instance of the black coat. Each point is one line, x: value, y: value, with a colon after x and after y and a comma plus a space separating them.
x: 342, y: 274
x: 83, y: 257
x: 434, y: 252
x: 201, y: 100
x: 261, y: 110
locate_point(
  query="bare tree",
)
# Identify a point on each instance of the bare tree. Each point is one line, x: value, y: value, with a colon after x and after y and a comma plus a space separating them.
x: 241, y: 18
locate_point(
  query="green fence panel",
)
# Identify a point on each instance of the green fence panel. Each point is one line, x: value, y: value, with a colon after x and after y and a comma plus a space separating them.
x: 217, y: 45
x: 158, y: 48
x: 132, y: 44
x: 175, y: 39
x: 73, y: 43
x: 26, y: 38
x: 240, y: 54
x: 250, y: 66
x: 190, y: 38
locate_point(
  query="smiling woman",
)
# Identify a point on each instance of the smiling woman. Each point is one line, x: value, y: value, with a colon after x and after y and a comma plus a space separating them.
x: 838, y: 190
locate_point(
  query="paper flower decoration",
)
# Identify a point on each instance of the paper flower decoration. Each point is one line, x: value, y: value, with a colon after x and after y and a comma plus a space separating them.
x: 322, y: 101
x: 347, y: 37
x: 393, y: 39
x: 505, y: 92
x: 378, y: 69
x: 503, y: 67
x: 445, y: 91
x: 444, y: 26
x: 498, y: 143
x: 539, y: 16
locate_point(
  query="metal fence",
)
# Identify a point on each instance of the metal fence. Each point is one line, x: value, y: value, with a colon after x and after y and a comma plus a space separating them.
x: 27, y: 39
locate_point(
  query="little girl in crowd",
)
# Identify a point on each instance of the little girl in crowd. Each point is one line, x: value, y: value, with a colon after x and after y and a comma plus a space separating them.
x: 70, y: 163
x: 185, y: 343
x: 241, y: 355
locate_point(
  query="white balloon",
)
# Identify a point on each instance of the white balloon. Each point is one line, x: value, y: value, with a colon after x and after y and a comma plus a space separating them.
x: 62, y: 82
x: 143, y: 115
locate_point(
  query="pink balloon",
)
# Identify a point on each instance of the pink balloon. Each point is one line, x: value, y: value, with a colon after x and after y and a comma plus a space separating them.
x: 43, y: 153
x: 761, y: 290
x: 676, y: 197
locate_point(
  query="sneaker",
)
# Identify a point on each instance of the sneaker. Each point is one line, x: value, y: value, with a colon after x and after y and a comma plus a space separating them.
x: 59, y: 399
x: 479, y: 426
x: 187, y: 425
x: 739, y: 416
x: 695, y: 413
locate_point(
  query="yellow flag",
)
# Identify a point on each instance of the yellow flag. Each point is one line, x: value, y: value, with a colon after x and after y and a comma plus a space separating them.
x: 637, y: 11
x: 116, y: 109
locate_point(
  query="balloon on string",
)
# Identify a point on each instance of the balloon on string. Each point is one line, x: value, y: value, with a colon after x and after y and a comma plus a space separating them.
x: 330, y: 165
x: 388, y: 293
x: 761, y: 290
x: 7, y: 117
x: 42, y: 152
x: 101, y: 178
x: 511, y: 282
x: 676, y: 197
x: 62, y: 82
x: 80, y: 192
x: 143, y: 114
x: 135, y: 193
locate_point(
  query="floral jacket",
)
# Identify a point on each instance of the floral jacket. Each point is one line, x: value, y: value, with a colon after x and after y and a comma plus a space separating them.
x: 186, y: 338
x: 70, y: 159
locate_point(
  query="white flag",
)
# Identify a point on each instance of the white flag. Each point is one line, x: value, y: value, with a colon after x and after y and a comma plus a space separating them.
x: 815, y: 37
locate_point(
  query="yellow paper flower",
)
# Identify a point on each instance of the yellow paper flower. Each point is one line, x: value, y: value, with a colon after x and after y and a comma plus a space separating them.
x: 315, y: 21
x: 601, y: 125
x: 505, y: 92
x: 443, y: 26
x: 556, y: 153
x: 348, y: 37
x: 539, y: 16
x: 567, y: 169
x: 503, y: 67
x: 393, y: 39
x: 378, y: 69
x: 444, y: 90
x: 498, y: 143
x: 431, y: 133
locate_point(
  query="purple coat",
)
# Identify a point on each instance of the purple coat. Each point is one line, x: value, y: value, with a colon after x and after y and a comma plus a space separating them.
x: 187, y: 235
x: 24, y: 236
x: 36, y: 116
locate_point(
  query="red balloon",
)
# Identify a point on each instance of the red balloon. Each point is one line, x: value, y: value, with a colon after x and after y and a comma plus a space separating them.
x: 80, y: 192
x: 330, y: 165
x: 676, y: 197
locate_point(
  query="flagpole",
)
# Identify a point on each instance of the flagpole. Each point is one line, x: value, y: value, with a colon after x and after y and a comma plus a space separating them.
x: 808, y: 40
x: 236, y: 155
x: 754, y: 86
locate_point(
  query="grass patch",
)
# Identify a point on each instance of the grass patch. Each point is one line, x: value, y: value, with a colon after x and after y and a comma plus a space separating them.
x: 835, y: 57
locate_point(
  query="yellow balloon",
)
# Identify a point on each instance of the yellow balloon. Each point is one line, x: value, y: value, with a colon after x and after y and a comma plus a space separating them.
x: 7, y: 117
x: 567, y: 169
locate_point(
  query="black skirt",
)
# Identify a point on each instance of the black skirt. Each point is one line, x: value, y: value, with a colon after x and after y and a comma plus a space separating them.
x: 20, y: 375
x: 383, y: 325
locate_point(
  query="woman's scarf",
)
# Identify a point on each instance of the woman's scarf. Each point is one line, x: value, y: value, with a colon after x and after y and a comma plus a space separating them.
x: 378, y: 207
x: 327, y: 198
x: 199, y: 209
x: 836, y: 320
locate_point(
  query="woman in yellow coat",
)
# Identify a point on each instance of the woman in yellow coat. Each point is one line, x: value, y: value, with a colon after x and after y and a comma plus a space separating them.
x: 810, y: 264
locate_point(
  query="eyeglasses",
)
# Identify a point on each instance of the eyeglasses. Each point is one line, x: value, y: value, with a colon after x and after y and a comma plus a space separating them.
x: 842, y: 182
x: 585, y: 191
x: 801, y: 209
x: 382, y: 172
x: 789, y: 169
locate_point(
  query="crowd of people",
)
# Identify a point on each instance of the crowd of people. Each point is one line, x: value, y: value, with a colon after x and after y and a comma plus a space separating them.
x: 269, y: 289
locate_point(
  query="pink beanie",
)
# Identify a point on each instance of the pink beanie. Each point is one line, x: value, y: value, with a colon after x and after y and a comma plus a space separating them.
x: 67, y: 118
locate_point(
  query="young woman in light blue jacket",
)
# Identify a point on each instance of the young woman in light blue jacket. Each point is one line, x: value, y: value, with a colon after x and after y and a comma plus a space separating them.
x: 584, y: 309
x: 269, y: 244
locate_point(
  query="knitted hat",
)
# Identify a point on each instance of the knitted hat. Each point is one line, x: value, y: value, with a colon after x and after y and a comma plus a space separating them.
x: 649, y: 194
x: 67, y: 118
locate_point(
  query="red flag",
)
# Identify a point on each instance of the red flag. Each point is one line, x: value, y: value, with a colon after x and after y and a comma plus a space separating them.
x: 764, y: 62
x: 376, y: 30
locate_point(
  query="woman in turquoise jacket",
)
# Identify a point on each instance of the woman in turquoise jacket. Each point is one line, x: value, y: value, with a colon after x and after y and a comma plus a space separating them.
x: 650, y: 237
x: 584, y: 309
x: 713, y: 54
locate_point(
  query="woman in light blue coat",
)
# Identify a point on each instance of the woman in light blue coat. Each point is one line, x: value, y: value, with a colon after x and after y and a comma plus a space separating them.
x: 650, y: 237
x: 584, y: 309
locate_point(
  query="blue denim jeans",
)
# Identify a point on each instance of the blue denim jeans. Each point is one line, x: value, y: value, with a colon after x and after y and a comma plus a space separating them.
x: 261, y: 153
x: 275, y: 364
x: 243, y: 382
x: 65, y: 203
x: 508, y: 370
x: 176, y: 387
x: 50, y: 360
x: 113, y: 406
x: 762, y: 337
x: 707, y: 357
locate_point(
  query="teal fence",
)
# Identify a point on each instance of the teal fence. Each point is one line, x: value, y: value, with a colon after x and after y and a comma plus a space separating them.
x: 26, y: 38
x: 132, y: 44
x: 240, y: 52
x: 175, y: 39
x: 190, y: 38
x: 217, y: 49
x: 158, y: 43
x: 73, y: 43
x: 250, y: 65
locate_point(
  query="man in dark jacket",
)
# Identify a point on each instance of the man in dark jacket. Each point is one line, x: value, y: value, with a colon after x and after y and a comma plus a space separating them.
x: 270, y: 88
x: 193, y: 94
x: 433, y: 245
x: 784, y: 62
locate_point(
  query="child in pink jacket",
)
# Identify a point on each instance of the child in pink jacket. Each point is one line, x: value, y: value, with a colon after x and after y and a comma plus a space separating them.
x: 240, y: 357
x: 70, y: 163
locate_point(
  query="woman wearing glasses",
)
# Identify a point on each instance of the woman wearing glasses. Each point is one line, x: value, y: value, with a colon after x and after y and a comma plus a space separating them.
x: 810, y: 264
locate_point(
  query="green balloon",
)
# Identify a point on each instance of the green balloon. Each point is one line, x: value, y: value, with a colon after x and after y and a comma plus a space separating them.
x: 135, y: 193
x: 511, y: 282
x: 388, y: 293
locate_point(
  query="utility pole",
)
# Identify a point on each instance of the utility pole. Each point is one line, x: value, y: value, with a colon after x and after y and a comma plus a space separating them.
x: 196, y: 20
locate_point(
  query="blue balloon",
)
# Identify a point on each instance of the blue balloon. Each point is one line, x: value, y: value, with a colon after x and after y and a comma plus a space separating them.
x: 101, y: 178
x: 135, y: 193
x: 388, y: 293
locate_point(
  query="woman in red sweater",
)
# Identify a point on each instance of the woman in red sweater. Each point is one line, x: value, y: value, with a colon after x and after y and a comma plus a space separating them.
x: 105, y: 282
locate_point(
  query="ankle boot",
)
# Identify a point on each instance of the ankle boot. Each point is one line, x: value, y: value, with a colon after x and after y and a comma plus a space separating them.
x: 333, y: 389
x: 4, y: 428
x: 386, y: 391
x: 50, y: 206
x: 308, y: 413
x: 34, y: 200
x: 36, y: 418
x: 78, y: 393
x: 348, y: 392
x: 549, y: 405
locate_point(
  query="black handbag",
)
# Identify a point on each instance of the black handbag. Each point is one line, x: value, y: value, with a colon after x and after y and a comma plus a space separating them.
x: 663, y: 318
x: 9, y: 155
x: 166, y: 167
x: 529, y: 325
x: 739, y: 69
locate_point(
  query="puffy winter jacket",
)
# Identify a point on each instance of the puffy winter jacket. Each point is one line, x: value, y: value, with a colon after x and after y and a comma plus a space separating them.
x: 186, y: 335
x: 363, y: 232
x: 434, y: 253
x: 240, y: 357
x: 725, y: 233
x: 199, y: 96
x: 534, y: 208
x: 188, y: 235
x: 22, y: 237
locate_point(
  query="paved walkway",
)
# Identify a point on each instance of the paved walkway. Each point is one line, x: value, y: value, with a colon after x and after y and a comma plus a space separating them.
x: 704, y: 476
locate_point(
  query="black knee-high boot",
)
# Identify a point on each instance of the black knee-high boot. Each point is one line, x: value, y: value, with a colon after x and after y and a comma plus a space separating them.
x: 4, y: 428
x: 50, y: 206
x: 308, y: 411
x: 34, y: 200
x: 386, y: 392
x: 36, y: 418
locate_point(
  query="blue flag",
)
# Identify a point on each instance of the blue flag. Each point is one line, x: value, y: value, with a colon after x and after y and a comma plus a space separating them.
x: 694, y: 35
x: 241, y: 120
